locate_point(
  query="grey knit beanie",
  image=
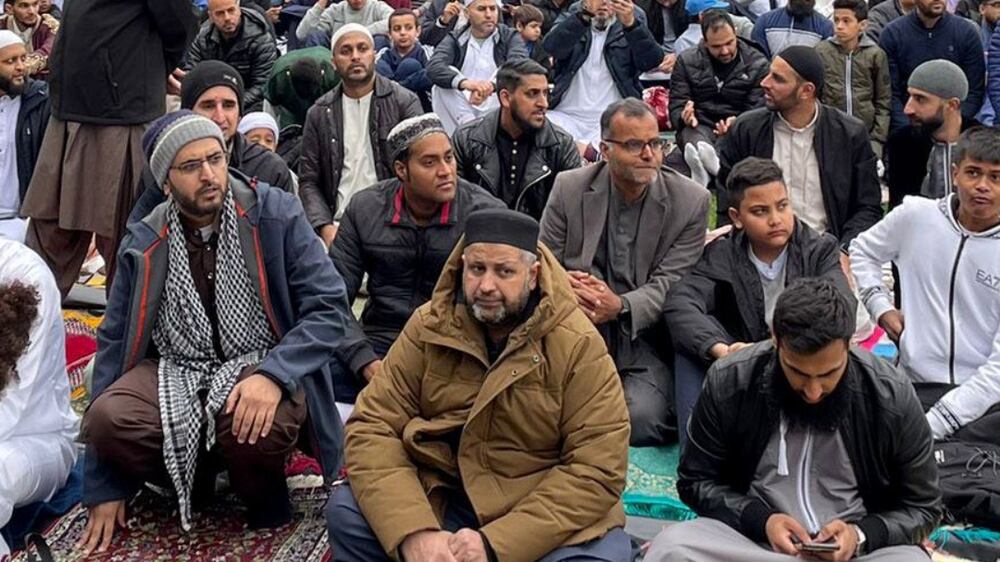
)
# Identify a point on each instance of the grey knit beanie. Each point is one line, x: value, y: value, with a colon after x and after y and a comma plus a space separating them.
x: 941, y: 78
x: 172, y: 132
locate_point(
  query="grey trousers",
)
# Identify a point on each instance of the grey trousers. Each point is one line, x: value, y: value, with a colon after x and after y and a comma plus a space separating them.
x: 709, y: 540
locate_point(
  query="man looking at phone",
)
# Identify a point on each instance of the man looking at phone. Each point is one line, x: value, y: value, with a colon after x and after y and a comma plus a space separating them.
x: 803, y: 445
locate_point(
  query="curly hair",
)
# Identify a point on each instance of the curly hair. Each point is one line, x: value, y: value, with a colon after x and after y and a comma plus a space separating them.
x: 18, y: 310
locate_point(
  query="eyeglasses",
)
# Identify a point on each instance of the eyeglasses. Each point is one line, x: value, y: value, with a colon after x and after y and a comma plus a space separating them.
x: 635, y: 146
x: 192, y: 167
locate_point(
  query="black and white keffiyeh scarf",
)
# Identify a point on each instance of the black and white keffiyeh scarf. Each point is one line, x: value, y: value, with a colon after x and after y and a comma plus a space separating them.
x: 189, y: 365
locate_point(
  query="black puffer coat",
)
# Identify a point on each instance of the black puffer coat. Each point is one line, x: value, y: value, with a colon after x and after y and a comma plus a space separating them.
x: 403, y: 260
x: 694, y: 79
x: 252, y: 53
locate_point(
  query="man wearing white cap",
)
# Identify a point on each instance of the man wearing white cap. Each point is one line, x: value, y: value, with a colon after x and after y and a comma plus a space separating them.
x: 22, y: 100
x: 465, y: 63
x: 339, y: 154
x: 260, y: 129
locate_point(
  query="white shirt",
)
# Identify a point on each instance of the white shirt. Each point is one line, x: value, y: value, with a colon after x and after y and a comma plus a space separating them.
x: 772, y: 280
x: 793, y: 151
x: 591, y: 91
x: 359, y: 162
x: 479, y: 63
x: 10, y: 189
x: 10, y: 197
x: 38, y: 401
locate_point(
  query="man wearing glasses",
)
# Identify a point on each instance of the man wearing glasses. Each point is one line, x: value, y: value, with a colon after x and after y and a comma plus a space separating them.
x: 214, y: 350
x: 627, y: 229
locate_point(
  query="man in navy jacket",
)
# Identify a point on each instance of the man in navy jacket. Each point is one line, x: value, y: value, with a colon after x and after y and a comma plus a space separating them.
x: 273, y: 270
x: 928, y: 33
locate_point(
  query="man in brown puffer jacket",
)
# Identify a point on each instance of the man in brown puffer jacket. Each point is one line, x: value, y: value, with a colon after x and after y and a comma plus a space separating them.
x: 496, y: 428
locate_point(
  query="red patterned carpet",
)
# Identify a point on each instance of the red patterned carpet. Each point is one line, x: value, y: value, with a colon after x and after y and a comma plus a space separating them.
x: 154, y: 533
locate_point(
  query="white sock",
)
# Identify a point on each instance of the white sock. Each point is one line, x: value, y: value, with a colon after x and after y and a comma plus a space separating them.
x: 698, y: 172
x: 708, y: 157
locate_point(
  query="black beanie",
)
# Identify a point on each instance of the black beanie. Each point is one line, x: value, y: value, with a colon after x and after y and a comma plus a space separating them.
x: 806, y: 63
x: 502, y: 226
x: 206, y: 75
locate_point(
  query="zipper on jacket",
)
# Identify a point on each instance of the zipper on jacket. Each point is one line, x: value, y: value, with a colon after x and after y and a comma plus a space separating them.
x: 520, y: 196
x: 805, y: 504
x: 951, y: 310
x: 848, y: 89
x: 948, y: 187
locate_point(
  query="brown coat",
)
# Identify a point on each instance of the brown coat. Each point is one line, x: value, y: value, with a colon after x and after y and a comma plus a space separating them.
x: 544, y: 431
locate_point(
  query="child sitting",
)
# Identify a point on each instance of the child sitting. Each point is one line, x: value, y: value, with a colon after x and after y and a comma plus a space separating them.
x: 405, y: 62
x: 528, y: 22
x: 726, y: 303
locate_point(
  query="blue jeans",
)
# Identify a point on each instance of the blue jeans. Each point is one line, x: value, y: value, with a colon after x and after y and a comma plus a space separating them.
x: 352, y: 540
x: 689, y: 376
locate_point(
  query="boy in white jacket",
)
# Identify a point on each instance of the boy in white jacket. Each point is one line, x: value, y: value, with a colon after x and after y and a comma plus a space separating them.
x: 948, y: 254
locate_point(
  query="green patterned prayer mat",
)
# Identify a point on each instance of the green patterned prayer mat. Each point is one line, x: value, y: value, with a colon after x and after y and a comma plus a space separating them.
x: 651, y: 484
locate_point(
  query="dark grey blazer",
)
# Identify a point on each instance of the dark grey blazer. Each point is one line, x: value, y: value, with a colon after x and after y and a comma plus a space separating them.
x: 671, y: 232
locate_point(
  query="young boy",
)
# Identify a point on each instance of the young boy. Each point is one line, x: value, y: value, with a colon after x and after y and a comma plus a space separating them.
x: 856, y: 73
x: 948, y: 254
x: 528, y: 21
x: 260, y: 128
x: 405, y: 61
x: 726, y: 303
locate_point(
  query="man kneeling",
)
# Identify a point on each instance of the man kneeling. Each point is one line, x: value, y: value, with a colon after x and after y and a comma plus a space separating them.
x: 219, y: 329
x: 496, y: 428
x: 805, y: 441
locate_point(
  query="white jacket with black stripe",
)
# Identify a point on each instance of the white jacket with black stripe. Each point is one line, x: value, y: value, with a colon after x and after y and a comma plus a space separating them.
x: 950, y: 281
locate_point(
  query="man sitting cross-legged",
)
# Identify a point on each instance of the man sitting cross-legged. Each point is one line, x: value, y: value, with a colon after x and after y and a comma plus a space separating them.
x: 215, y: 345
x: 727, y: 302
x: 627, y: 229
x: 400, y: 232
x: 948, y: 254
x: 804, y: 440
x: 497, y: 428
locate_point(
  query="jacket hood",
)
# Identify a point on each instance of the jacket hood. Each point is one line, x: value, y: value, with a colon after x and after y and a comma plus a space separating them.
x: 864, y: 43
x: 447, y: 312
x: 948, y: 206
x: 35, y: 92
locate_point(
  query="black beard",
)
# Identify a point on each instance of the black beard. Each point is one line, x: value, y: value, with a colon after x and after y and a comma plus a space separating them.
x: 8, y: 87
x: 825, y: 416
x: 525, y: 125
x: 800, y: 8
x: 927, y: 128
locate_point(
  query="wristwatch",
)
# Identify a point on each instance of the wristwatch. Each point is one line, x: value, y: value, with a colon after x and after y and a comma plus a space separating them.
x: 626, y: 309
x: 862, y: 539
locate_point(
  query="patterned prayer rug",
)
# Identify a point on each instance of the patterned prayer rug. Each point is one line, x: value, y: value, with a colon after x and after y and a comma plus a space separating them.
x: 651, y: 484
x: 219, y: 535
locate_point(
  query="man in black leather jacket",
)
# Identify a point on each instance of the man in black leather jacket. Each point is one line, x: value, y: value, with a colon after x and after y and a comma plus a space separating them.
x: 515, y: 152
x: 804, y: 441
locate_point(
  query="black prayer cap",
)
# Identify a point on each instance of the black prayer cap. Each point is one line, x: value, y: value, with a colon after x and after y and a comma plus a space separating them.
x: 502, y: 226
x: 806, y: 63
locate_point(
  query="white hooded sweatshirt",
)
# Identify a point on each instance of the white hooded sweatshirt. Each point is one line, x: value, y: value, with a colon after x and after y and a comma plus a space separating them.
x: 950, y: 281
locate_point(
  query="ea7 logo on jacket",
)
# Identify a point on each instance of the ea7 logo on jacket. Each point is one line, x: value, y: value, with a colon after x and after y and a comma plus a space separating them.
x: 988, y: 280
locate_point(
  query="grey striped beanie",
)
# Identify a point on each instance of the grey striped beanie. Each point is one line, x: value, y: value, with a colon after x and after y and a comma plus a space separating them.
x: 172, y: 132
